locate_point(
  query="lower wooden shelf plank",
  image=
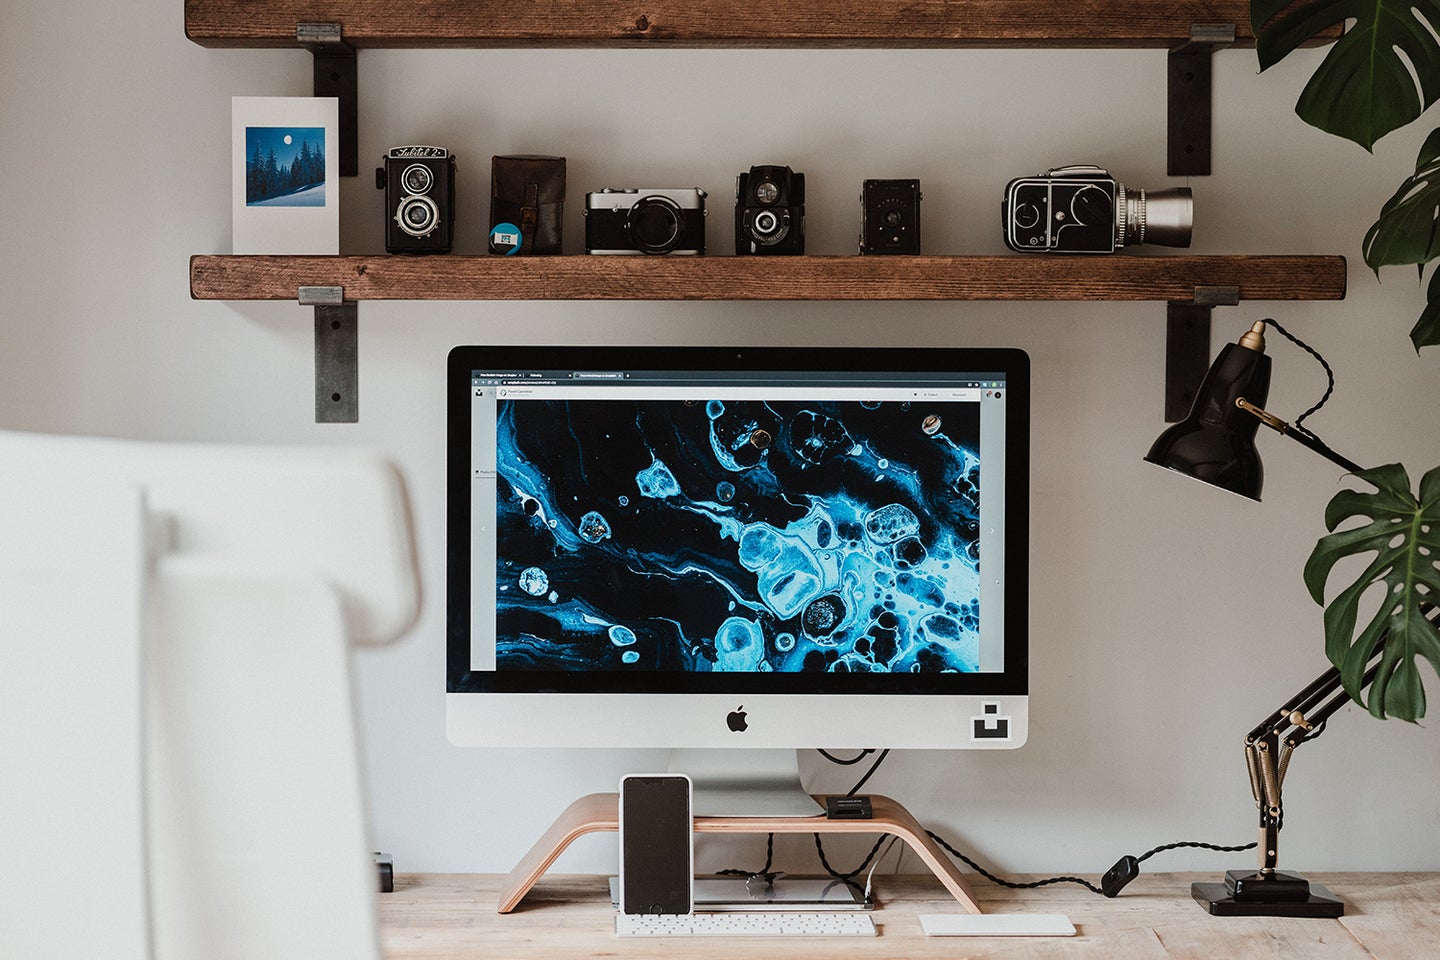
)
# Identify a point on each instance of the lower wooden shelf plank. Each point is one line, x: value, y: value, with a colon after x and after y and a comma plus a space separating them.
x: 1012, y: 278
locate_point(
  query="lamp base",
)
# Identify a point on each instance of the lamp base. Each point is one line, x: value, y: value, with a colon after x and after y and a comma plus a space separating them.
x: 1247, y: 894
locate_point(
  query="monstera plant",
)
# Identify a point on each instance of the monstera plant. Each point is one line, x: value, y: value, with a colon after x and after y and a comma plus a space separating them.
x: 1403, y: 534
x: 1381, y: 74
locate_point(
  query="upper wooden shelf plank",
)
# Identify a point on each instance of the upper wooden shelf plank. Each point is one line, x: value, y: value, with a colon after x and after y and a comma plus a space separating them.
x: 838, y: 23
x: 1016, y: 277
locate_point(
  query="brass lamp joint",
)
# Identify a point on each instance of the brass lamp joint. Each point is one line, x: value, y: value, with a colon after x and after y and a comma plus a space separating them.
x: 1265, y: 417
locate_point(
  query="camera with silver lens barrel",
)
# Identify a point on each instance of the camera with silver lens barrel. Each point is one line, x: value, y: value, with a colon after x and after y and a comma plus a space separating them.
x: 770, y: 211
x: 650, y: 220
x: 1082, y: 209
x: 419, y: 185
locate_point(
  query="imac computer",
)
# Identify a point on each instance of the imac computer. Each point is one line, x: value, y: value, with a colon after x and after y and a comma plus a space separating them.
x: 715, y: 547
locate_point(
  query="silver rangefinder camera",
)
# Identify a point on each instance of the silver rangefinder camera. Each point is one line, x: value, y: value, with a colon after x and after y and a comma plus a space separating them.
x: 651, y: 220
x: 1082, y: 209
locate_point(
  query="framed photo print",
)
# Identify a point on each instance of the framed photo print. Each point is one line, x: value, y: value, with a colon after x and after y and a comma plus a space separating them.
x: 286, y: 182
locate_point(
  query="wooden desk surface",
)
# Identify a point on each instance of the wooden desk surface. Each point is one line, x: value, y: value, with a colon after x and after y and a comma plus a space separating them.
x: 1389, y: 916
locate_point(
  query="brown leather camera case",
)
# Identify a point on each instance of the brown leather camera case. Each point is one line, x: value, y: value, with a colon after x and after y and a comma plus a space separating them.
x: 529, y: 191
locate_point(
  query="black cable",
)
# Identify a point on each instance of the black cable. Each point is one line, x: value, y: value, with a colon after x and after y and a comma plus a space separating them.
x: 845, y: 763
x: 1125, y: 869
x: 1196, y: 843
x: 1080, y: 880
x: 869, y: 773
x: 764, y: 872
x: 1008, y: 883
x: 1329, y: 374
x: 853, y: 873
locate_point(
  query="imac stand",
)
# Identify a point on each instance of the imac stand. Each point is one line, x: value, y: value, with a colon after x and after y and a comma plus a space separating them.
x: 599, y: 812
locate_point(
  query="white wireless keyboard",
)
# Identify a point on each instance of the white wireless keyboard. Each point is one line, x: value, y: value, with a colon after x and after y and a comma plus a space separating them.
x: 766, y: 924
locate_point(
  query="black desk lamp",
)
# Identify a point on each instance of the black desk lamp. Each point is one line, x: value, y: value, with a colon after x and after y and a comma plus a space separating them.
x: 1216, y: 444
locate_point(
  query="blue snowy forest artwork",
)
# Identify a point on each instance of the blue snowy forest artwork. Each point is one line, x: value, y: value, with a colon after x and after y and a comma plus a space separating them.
x: 738, y: 535
x: 285, y: 166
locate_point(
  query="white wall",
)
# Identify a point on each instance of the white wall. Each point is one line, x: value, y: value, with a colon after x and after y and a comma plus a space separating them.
x: 1167, y: 618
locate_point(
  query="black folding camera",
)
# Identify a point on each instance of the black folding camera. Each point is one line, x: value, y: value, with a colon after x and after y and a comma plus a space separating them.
x: 1082, y: 209
x: 419, y: 185
x: 770, y: 211
x: 890, y: 216
x: 659, y: 221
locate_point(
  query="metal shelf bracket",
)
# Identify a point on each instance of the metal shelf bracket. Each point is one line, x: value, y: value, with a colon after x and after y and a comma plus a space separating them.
x: 337, y: 354
x: 1187, y: 346
x: 336, y: 76
x: 1188, y: 81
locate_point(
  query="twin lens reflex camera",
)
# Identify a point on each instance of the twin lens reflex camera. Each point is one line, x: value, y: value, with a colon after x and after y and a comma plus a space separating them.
x: 419, y: 185
x: 770, y: 211
x: 1082, y: 209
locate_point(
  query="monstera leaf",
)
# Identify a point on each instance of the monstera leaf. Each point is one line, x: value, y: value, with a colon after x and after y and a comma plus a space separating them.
x: 1426, y: 332
x: 1365, y: 87
x: 1403, y: 533
x: 1408, y: 231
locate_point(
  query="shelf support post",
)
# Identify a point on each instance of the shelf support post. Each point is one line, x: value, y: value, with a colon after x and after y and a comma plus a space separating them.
x: 1187, y: 346
x: 337, y: 354
x: 336, y: 76
x: 1188, y: 81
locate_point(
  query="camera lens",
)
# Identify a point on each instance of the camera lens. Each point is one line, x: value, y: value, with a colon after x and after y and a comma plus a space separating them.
x: 655, y: 224
x: 417, y: 178
x: 1162, y: 216
x: 766, y: 192
x: 418, y: 216
x: 766, y: 222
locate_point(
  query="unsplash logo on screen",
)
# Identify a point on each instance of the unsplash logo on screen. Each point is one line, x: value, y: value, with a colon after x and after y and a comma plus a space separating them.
x: 990, y: 725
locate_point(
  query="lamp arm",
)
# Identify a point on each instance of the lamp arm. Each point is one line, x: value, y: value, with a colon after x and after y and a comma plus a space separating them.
x: 1269, y: 746
x: 1298, y: 434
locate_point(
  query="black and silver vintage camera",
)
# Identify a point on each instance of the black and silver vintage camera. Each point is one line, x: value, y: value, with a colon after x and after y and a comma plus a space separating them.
x: 770, y: 211
x: 419, y: 185
x: 1082, y: 209
x: 890, y: 216
x: 658, y: 221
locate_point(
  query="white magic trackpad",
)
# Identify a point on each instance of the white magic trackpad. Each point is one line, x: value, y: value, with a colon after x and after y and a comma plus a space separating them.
x: 996, y: 925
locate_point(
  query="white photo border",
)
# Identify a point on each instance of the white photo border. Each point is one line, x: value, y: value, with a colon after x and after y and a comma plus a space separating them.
x: 278, y: 228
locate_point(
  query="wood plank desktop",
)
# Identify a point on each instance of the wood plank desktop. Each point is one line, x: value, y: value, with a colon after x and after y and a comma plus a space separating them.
x: 1389, y: 916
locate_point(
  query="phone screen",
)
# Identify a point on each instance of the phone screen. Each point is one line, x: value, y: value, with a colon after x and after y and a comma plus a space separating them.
x: 656, y: 875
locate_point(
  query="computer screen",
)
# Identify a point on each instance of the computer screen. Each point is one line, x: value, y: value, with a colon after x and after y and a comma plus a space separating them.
x: 715, y: 546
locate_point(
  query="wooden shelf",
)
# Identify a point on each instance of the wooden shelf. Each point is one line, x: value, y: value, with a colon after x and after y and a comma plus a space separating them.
x: 1018, y: 277
x: 840, y: 23
x: 1190, y: 30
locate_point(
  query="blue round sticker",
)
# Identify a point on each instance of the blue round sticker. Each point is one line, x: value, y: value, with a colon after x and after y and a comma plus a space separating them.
x: 505, y: 238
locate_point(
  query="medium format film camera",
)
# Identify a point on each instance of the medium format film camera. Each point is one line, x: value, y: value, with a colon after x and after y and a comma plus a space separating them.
x: 657, y: 221
x: 1082, y: 209
x: 419, y: 185
x: 890, y: 216
x: 770, y: 211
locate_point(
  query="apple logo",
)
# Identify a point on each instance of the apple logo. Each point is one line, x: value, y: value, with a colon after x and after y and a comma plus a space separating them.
x: 735, y: 719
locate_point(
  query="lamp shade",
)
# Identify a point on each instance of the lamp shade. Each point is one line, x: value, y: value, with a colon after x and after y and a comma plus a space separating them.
x: 1216, y: 442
